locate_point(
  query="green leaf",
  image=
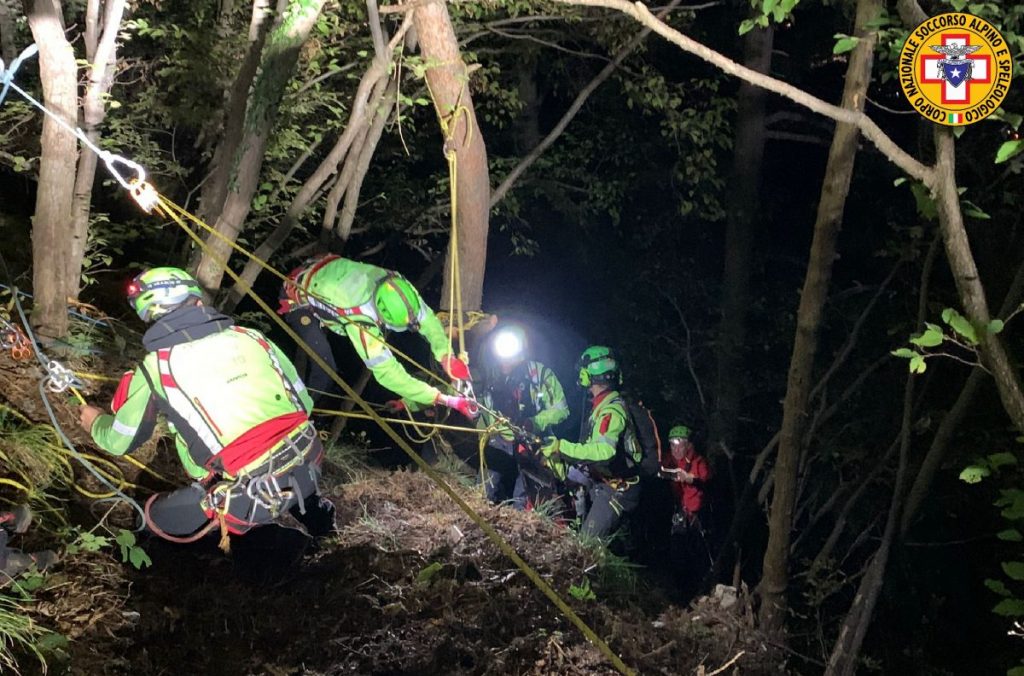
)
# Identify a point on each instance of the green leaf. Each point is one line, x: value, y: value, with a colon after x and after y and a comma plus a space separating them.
x: 900, y: 181
x: 998, y: 586
x: 125, y: 538
x: 746, y: 26
x: 1010, y: 608
x: 973, y: 474
x: 1014, y: 569
x: 960, y: 324
x: 995, y: 326
x: 1012, y: 119
x: 932, y: 337
x: 971, y: 209
x: 1010, y: 535
x: 844, y: 44
x: 139, y: 558
x: 1009, y: 149
x: 904, y: 353
x: 917, y: 364
x: 1002, y: 459
x: 925, y: 204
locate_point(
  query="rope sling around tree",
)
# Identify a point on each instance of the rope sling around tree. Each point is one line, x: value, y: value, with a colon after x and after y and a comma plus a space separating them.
x: 150, y: 200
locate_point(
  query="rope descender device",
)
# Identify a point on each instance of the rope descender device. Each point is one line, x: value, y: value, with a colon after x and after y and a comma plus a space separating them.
x: 59, y: 377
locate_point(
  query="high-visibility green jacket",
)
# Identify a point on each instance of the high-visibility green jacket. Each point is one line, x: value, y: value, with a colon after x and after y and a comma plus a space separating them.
x: 605, y: 427
x: 538, y: 397
x: 213, y: 390
x: 344, y: 283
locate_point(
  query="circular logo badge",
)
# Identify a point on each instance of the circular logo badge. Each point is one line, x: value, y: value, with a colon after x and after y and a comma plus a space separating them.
x: 955, y: 69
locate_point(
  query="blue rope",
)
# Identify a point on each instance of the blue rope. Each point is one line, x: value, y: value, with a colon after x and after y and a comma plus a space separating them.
x: 8, y: 73
x: 73, y: 313
x: 120, y: 495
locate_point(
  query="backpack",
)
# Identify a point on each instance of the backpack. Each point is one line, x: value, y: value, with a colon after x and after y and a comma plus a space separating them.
x: 641, y: 439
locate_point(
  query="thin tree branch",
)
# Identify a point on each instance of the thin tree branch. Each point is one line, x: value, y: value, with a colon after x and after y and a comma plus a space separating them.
x: 506, y: 184
x: 867, y: 127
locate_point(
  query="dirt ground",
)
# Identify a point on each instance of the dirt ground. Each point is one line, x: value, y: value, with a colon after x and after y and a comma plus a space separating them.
x: 409, y: 585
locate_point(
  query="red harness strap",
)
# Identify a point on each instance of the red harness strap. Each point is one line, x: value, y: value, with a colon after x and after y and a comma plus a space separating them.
x: 256, y: 442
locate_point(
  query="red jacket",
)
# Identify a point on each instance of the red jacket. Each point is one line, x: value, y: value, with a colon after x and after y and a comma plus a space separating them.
x: 690, y: 496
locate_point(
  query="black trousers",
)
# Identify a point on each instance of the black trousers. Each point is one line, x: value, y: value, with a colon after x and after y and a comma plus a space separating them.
x: 181, y: 513
x: 607, y: 507
x: 690, y: 554
x: 307, y: 326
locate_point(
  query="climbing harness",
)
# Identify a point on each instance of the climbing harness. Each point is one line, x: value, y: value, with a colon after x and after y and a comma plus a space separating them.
x: 152, y: 202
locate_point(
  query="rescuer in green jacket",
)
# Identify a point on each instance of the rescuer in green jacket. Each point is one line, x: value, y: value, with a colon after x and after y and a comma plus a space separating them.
x: 236, y: 406
x: 362, y: 302
x: 529, y: 395
x: 611, y: 481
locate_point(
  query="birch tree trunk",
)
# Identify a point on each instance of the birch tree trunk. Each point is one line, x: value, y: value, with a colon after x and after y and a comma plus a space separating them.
x: 214, y: 190
x: 102, y: 24
x: 51, y: 224
x: 828, y: 223
x: 276, y: 68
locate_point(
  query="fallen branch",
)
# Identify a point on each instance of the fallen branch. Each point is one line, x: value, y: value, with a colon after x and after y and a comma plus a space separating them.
x: 724, y: 666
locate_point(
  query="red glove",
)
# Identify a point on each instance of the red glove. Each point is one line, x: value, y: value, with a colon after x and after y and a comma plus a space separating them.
x: 455, y: 367
x: 394, y: 406
x: 463, y: 405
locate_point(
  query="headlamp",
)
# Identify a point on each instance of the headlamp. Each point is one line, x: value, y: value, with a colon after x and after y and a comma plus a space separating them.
x: 508, y: 345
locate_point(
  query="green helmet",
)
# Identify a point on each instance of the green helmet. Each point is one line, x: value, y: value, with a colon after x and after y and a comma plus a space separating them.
x: 679, y: 432
x: 157, y: 291
x: 597, y: 365
x: 398, y: 303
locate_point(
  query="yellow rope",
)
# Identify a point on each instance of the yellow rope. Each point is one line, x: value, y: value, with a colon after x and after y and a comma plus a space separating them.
x: 169, y: 208
x: 482, y: 450
x: 96, y: 376
x: 177, y: 213
x: 398, y: 421
x: 472, y: 317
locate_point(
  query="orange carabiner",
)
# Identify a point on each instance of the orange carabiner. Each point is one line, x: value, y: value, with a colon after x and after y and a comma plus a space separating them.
x: 21, y: 352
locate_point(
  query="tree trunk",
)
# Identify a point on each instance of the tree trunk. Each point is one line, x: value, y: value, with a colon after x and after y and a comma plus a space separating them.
x: 968, y: 280
x: 739, y: 237
x: 449, y: 85
x: 51, y: 225
x: 215, y: 188
x: 838, y: 173
x: 276, y: 68
x: 8, y: 46
x: 102, y: 24
x: 367, y: 101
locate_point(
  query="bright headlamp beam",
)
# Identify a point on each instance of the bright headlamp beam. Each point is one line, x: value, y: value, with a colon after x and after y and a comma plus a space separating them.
x: 507, y: 345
